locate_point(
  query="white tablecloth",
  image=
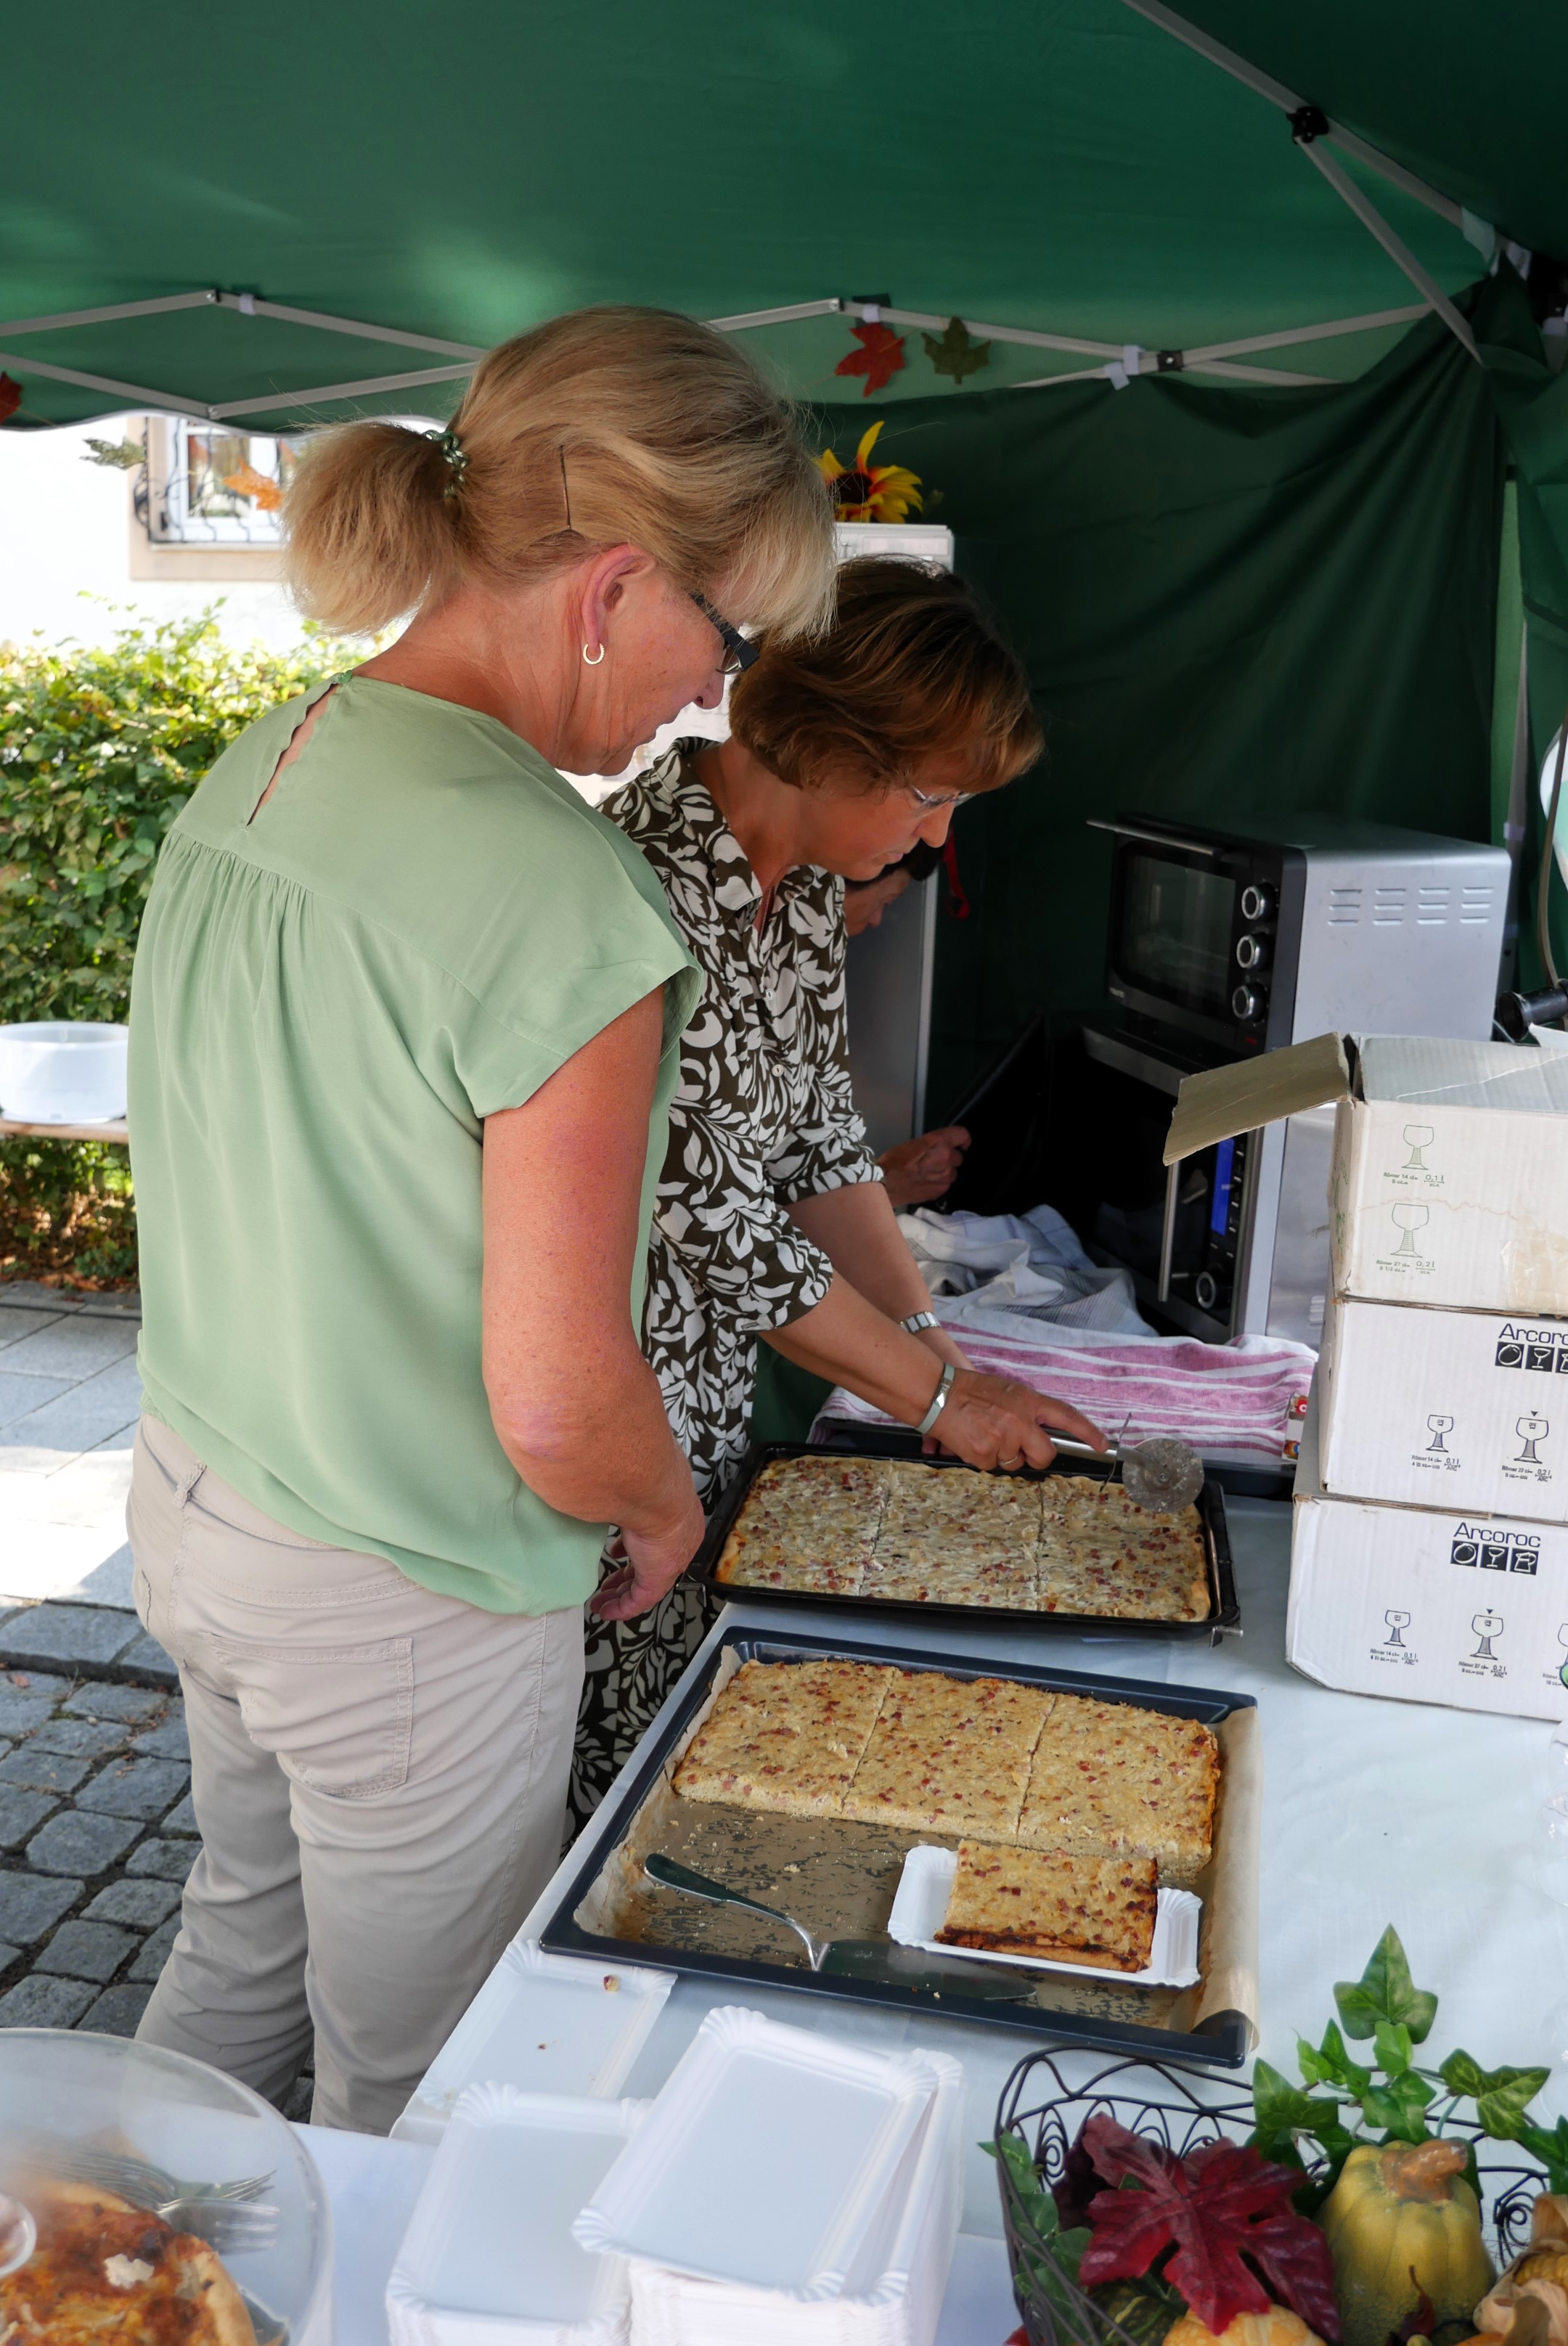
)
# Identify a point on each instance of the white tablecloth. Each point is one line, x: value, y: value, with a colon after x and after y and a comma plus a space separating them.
x: 1373, y: 1813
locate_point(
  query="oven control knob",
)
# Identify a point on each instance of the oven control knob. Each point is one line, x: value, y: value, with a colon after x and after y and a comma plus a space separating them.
x: 1258, y: 902
x: 1205, y: 1290
x: 1249, y: 1002
x: 1252, y: 953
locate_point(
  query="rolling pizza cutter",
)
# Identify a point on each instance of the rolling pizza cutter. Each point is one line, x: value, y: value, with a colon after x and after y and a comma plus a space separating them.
x: 1161, y: 1474
x: 868, y: 1959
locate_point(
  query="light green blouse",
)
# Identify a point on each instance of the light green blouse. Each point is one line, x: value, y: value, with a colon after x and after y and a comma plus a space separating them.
x: 331, y: 995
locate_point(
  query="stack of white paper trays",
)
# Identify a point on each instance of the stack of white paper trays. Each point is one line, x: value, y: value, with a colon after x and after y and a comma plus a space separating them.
x: 544, y: 2023
x: 488, y: 2258
x: 787, y: 2191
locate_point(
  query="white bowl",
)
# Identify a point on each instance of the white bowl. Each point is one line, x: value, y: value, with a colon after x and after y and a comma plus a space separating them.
x: 55, y: 1071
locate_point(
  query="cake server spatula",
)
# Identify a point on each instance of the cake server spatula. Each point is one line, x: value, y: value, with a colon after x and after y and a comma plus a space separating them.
x: 868, y: 1959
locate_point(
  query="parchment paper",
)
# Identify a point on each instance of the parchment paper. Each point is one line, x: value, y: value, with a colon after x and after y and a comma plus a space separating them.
x: 839, y: 1878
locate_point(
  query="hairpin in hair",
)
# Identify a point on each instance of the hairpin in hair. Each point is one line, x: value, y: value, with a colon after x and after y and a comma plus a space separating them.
x: 456, y: 456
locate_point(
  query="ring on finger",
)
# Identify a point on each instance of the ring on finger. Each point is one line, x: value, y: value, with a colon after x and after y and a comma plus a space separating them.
x: 1006, y: 1465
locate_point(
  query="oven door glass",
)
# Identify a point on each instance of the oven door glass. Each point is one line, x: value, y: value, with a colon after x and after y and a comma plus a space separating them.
x: 1175, y: 940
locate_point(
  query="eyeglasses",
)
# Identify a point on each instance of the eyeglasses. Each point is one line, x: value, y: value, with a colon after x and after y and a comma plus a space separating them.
x: 947, y: 798
x: 739, y: 654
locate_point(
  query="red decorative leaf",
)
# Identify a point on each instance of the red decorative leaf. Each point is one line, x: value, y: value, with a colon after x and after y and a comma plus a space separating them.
x: 1226, y: 2214
x: 879, y: 357
x: 10, y: 395
x: 1421, y: 2324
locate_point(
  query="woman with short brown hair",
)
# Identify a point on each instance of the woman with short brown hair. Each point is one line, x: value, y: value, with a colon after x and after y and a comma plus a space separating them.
x: 404, y: 1027
x: 771, y: 1219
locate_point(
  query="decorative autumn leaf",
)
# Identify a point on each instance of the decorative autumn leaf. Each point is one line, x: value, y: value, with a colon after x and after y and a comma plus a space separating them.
x: 1281, y: 2112
x: 1076, y: 2186
x: 879, y: 357
x: 1396, y: 2106
x: 261, y: 490
x: 1385, y: 1991
x: 1421, y: 2324
x: 1226, y: 2212
x: 10, y: 396
x: 954, y: 353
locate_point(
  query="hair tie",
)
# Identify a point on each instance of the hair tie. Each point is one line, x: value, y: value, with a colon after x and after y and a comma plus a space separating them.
x: 456, y: 456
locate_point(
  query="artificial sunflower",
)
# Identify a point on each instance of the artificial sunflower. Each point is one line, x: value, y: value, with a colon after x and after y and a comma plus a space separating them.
x: 868, y: 492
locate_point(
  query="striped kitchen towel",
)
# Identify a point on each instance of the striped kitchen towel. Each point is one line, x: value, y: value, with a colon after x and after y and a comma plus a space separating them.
x: 1242, y: 1401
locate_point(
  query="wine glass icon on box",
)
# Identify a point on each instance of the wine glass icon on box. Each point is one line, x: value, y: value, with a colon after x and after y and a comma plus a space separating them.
x: 1487, y: 1625
x: 1409, y: 1216
x: 1532, y: 1430
x: 1417, y: 1138
x: 1396, y: 1621
x: 1437, y: 1426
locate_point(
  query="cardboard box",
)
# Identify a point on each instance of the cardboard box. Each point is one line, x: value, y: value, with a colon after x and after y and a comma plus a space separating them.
x: 1449, y: 1184
x: 1473, y: 1405
x: 1426, y: 1604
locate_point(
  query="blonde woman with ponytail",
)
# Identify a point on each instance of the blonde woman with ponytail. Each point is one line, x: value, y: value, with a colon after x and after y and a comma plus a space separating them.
x: 403, y: 1036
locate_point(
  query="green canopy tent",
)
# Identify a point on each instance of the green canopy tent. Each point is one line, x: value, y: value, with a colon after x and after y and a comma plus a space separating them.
x: 1250, y: 527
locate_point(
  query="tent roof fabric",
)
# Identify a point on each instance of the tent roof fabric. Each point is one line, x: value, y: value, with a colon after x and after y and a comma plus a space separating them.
x: 463, y: 170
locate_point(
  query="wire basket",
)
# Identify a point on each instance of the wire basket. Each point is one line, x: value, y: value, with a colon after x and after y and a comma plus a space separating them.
x: 1046, y: 2102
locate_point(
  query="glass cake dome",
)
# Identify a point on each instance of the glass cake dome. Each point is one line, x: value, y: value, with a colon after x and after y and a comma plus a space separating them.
x: 158, y: 2131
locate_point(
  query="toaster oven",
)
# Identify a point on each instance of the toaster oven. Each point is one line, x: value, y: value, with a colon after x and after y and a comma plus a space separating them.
x: 1221, y: 945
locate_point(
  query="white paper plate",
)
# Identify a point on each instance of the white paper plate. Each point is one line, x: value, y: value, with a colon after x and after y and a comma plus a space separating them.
x: 920, y: 1910
x: 768, y: 2159
x: 488, y: 2256
x: 544, y: 2023
x: 894, y: 2290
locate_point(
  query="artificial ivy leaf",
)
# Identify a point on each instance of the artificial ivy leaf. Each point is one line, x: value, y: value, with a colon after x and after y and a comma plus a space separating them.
x: 1282, y: 2111
x: 1392, y: 2043
x: 1223, y: 2211
x: 1398, y: 2106
x: 1330, y: 2064
x: 954, y: 353
x: 1502, y: 2097
x: 1550, y: 2150
x: 1385, y: 1991
x: 1509, y: 2094
x: 879, y: 357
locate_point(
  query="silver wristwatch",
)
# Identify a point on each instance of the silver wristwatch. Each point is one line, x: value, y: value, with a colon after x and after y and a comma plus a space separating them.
x: 919, y: 1319
x: 939, y: 1399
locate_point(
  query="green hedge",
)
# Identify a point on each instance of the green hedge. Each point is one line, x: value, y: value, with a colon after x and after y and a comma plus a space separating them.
x: 99, y: 750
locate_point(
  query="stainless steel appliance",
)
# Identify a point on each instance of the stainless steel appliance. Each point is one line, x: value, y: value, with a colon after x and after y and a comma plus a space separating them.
x: 1219, y: 946
x: 887, y: 988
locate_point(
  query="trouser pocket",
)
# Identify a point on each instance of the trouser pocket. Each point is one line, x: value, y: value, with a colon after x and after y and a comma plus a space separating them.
x: 339, y: 1718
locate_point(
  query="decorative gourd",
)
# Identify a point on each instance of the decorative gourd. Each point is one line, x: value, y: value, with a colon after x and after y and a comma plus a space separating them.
x: 1529, y: 2307
x: 1277, y: 2327
x: 1402, y: 2220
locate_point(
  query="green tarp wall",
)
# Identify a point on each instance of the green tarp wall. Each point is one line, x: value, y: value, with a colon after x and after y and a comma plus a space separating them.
x: 1227, y: 601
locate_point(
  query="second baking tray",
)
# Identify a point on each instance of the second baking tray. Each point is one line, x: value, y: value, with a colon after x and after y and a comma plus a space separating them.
x: 839, y: 1877
x: 1224, y: 1615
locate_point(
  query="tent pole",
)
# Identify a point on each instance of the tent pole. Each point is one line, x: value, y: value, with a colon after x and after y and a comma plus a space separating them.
x: 324, y: 390
x: 103, y: 316
x: 135, y: 394
x: 251, y: 305
x: 1288, y: 102
x: 1371, y: 219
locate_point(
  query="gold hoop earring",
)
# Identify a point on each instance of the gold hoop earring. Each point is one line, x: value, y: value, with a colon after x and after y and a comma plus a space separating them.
x: 597, y: 656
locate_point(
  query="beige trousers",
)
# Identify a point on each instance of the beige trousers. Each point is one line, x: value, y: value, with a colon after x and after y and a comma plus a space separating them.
x: 380, y: 1777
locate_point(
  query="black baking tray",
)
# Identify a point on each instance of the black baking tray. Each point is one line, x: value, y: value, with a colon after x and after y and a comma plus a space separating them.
x: 1218, y: 2042
x: 1224, y: 1617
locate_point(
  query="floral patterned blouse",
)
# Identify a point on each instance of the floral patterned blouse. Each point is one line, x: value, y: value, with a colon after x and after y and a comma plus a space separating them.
x: 763, y: 1114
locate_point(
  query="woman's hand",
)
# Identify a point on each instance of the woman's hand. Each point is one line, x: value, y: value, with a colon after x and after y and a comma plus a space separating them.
x: 925, y: 1167
x: 652, y: 1564
x: 999, y: 1422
